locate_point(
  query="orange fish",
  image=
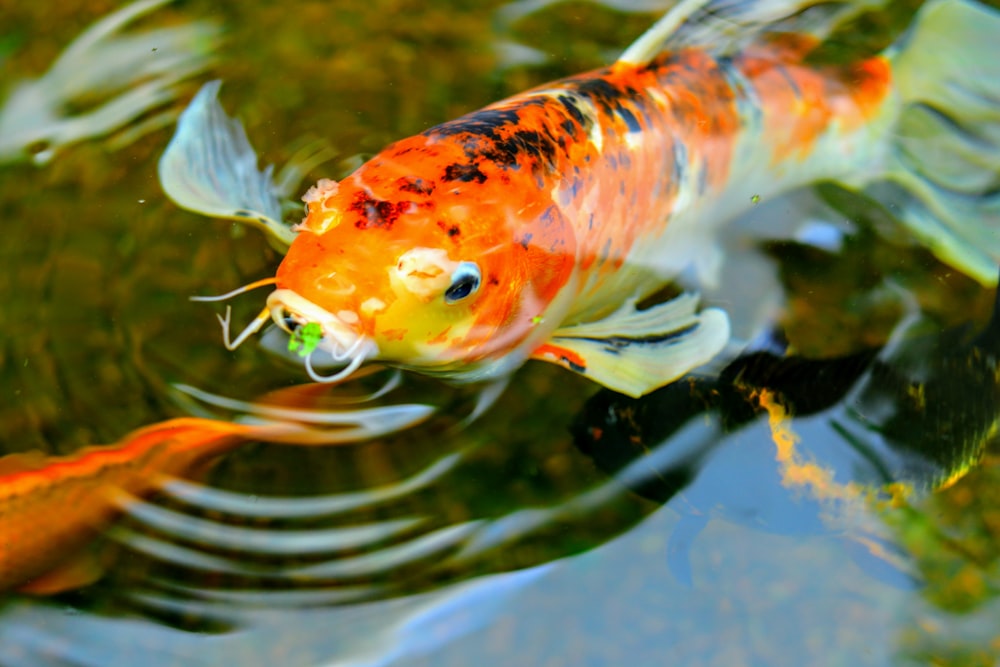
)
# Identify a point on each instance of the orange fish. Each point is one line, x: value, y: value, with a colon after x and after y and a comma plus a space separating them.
x: 532, y: 228
x: 51, y: 507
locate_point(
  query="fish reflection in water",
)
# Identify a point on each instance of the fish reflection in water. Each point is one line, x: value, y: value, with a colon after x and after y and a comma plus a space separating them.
x: 134, y: 77
x: 838, y: 433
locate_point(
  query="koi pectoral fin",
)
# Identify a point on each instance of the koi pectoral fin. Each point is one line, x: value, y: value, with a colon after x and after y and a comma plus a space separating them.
x: 636, y: 351
x: 209, y: 167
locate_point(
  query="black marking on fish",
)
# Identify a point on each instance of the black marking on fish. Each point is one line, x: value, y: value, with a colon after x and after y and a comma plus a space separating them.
x: 376, y: 212
x: 630, y: 120
x: 496, y: 135
x: 603, y: 93
x: 464, y: 172
x: 574, y: 111
x: 616, y: 343
x: 415, y: 185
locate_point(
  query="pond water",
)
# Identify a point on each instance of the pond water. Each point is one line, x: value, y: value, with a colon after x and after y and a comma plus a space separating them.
x: 565, y: 526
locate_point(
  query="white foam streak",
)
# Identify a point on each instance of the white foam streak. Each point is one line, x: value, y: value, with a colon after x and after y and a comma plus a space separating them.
x: 267, y: 542
x: 210, y: 499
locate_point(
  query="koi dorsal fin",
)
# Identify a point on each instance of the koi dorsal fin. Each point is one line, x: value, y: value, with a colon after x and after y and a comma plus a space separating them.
x: 725, y: 26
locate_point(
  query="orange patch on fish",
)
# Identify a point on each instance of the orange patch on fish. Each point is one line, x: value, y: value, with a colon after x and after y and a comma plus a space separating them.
x: 802, y: 103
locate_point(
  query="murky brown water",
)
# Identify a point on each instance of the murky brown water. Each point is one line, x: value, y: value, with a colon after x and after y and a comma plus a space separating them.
x: 97, y: 327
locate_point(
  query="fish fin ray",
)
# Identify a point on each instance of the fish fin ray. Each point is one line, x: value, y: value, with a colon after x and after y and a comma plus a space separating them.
x: 209, y: 167
x: 726, y: 26
x: 636, y: 351
x: 943, y: 171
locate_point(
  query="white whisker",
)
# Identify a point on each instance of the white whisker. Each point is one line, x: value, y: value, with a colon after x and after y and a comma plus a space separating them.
x: 349, y: 352
x: 341, y: 375
x: 238, y: 290
x: 262, y: 318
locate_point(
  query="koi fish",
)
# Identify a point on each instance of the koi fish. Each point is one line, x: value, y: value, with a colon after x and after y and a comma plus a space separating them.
x: 51, y: 507
x: 533, y: 228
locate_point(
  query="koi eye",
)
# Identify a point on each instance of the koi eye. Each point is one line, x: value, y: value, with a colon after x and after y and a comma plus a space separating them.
x: 464, y: 282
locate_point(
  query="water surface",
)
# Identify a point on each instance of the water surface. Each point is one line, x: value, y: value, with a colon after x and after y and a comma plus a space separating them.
x: 510, y: 541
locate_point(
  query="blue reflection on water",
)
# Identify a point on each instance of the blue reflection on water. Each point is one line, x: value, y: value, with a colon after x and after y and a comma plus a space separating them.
x: 368, y: 635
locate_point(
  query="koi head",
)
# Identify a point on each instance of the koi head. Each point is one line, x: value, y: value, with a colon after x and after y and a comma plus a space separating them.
x: 442, y: 273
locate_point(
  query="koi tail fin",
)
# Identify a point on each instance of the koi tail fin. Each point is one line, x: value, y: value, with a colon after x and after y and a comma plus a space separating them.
x: 943, y: 176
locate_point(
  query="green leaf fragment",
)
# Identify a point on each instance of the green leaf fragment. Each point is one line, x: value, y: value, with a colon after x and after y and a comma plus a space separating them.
x: 305, y: 339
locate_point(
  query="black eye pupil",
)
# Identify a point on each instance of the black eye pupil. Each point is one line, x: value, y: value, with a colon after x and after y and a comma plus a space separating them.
x: 465, y: 281
x: 461, y: 289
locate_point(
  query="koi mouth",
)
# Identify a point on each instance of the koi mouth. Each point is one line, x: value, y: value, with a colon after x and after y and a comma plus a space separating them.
x: 340, y: 340
x: 290, y: 311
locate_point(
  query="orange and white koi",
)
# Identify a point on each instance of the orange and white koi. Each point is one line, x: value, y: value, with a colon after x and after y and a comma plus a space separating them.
x: 531, y: 228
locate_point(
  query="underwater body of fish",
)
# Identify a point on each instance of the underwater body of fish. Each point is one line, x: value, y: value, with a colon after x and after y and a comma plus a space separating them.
x: 52, y: 507
x: 533, y: 227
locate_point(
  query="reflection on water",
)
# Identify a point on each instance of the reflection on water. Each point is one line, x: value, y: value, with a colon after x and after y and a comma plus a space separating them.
x: 370, y: 635
x: 913, y: 415
x: 679, y: 535
x: 953, y: 540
